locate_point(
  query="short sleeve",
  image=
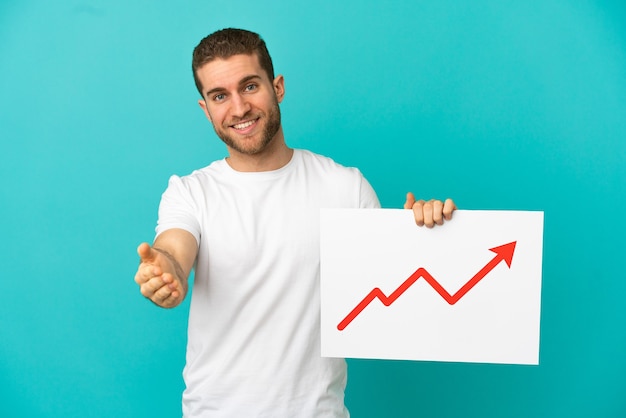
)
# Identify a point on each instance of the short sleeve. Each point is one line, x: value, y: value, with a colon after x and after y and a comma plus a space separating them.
x: 178, y: 209
x: 367, y: 195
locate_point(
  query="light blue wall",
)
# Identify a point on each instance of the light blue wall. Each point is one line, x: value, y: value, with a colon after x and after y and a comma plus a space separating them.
x: 501, y: 105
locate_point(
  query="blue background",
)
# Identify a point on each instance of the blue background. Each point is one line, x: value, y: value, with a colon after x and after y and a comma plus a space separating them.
x: 501, y: 105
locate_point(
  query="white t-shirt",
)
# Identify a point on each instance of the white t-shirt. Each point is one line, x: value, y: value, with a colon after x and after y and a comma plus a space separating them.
x: 254, y: 325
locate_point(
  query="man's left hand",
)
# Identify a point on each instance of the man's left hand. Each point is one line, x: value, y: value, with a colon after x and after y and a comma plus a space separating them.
x: 430, y: 213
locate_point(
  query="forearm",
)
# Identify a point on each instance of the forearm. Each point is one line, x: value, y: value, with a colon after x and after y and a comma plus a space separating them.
x: 181, y: 248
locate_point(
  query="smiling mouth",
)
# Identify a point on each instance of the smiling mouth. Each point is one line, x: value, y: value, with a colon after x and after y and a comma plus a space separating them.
x: 244, y: 125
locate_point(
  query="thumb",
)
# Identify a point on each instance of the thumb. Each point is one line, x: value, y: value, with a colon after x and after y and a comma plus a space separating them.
x: 146, y: 253
x: 410, y: 201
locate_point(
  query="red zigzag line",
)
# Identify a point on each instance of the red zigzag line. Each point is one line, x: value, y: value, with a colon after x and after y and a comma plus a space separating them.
x: 503, y: 253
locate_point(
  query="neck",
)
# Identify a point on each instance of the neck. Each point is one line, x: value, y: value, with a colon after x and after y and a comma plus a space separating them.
x: 276, y: 155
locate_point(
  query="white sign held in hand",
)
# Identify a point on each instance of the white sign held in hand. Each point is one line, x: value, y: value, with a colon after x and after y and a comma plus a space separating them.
x: 466, y: 291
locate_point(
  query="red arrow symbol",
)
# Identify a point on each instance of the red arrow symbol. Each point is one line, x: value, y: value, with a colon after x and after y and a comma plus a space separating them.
x: 503, y: 253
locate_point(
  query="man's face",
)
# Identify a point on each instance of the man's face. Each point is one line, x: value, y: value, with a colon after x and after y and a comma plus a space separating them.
x: 242, y: 102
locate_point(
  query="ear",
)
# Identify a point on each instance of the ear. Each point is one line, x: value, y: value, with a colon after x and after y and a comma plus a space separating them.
x: 204, y: 108
x: 279, y: 87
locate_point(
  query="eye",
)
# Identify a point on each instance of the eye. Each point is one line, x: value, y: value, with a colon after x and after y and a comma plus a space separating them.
x: 219, y: 97
x: 250, y: 87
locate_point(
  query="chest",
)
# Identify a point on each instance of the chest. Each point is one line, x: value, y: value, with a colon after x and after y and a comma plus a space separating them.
x: 247, y: 228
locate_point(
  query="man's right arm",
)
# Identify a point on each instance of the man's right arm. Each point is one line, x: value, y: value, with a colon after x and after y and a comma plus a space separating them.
x: 165, y: 266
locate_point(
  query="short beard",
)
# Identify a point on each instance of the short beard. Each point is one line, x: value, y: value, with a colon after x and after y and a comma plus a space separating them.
x: 271, y: 128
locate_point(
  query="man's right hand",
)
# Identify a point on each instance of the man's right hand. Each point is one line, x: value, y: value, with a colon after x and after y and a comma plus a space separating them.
x: 157, y: 277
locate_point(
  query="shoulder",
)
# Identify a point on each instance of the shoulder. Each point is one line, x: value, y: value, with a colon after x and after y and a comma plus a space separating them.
x: 200, y: 176
x: 311, y: 160
x: 338, y: 180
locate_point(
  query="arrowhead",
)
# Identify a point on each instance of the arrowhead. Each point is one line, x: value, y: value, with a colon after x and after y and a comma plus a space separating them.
x: 505, y: 252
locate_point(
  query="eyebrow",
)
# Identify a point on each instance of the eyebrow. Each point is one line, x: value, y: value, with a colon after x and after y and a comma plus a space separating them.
x: 241, y: 82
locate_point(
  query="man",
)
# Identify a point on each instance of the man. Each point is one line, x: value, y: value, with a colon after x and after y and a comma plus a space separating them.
x: 250, y: 225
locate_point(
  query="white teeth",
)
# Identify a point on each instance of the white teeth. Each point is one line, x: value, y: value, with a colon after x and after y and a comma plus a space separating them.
x: 243, y: 125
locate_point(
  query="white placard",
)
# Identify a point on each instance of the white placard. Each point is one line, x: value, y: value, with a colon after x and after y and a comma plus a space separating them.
x: 466, y: 291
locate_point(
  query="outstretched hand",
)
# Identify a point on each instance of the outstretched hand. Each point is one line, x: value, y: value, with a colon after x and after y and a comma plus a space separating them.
x: 430, y: 213
x: 157, y: 277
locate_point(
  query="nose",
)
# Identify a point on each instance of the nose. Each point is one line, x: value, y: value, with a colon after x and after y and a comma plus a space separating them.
x: 240, y: 106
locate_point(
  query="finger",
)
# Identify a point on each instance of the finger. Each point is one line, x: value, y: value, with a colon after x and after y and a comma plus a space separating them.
x: 427, y: 210
x: 448, y: 208
x: 146, y: 253
x: 140, y: 278
x: 169, y: 301
x: 169, y: 294
x: 146, y: 272
x: 410, y: 200
x: 162, y: 295
x: 438, y: 212
x: 152, y: 286
x: 418, y: 212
